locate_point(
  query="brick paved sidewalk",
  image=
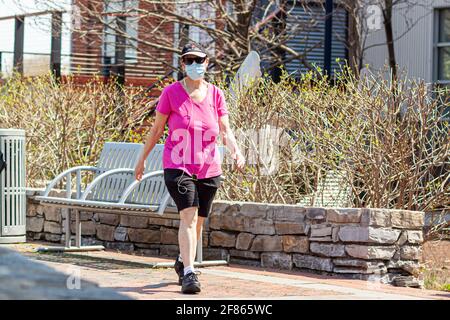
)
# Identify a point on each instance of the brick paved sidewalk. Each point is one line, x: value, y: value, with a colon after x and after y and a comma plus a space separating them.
x: 133, y: 276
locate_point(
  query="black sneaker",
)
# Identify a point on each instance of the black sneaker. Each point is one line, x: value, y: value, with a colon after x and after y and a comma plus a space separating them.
x: 190, y: 283
x: 179, y: 269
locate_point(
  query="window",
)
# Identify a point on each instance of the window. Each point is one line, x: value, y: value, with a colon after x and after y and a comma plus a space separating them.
x: 442, y: 52
x: 204, y: 13
x: 113, y: 8
x: 442, y: 40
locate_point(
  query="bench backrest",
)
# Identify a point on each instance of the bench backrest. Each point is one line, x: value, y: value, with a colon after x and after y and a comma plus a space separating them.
x: 151, y: 190
x: 115, y: 155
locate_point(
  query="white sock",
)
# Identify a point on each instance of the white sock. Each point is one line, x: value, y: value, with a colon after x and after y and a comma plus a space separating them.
x: 189, y: 269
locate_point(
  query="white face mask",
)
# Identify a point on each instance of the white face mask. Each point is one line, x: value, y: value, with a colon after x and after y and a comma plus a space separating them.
x: 195, y: 70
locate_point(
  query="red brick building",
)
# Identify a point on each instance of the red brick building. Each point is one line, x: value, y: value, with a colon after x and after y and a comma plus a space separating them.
x: 94, y: 43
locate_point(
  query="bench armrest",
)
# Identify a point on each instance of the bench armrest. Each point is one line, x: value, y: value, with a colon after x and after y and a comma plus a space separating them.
x: 65, y: 173
x: 104, y: 175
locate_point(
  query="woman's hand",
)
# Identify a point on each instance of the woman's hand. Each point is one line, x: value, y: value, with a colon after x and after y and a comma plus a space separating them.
x: 240, y: 160
x: 139, y: 170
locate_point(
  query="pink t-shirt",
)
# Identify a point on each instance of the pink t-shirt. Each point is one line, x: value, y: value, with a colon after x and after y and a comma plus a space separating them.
x: 193, y: 130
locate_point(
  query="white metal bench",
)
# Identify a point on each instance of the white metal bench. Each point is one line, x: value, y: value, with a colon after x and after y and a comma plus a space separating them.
x: 114, y: 189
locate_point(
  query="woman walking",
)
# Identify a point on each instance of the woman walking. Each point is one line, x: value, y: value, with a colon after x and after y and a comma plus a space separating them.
x: 196, y: 114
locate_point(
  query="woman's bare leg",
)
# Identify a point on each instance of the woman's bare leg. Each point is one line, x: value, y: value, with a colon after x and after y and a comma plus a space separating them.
x: 187, y: 235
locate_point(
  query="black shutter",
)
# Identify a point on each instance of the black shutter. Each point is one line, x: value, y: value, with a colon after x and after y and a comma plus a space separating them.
x: 310, y: 33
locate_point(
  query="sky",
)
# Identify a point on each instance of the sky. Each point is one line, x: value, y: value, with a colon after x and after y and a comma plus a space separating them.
x: 37, y: 30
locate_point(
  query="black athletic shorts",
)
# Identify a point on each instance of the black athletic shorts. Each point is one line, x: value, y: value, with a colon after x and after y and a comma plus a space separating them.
x: 188, y: 191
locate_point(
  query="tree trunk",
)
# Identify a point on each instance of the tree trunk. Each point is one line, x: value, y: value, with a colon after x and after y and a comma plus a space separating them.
x: 387, y: 14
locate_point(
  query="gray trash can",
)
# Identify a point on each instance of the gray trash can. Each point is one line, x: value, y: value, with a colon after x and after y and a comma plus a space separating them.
x: 12, y: 187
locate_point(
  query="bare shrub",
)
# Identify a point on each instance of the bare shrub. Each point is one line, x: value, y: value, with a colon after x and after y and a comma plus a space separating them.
x: 67, y: 124
x: 356, y: 143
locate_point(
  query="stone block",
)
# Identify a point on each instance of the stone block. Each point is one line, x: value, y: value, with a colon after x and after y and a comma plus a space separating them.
x: 353, y: 234
x: 219, y: 206
x: 231, y: 222
x: 215, y: 254
x: 414, y: 236
x: 287, y: 213
x: 349, y: 215
x: 259, y: 226
x: 121, y: 234
x: 295, y: 244
x: 405, y: 219
x: 53, y: 214
x: 402, y: 239
x: 52, y: 227
x: 222, y: 239
x: 289, y: 227
x: 370, y: 252
x: 407, y: 281
x: 170, y: 250
x: 320, y: 230
x: 244, y: 240
x: 108, y: 218
x: 267, y: 243
x: 383, y: 235
x: 254, y: 210
x: 31, y: 209
x: 328, y: 250
x: 105, y: 232
x: 133, y: 221
x: 85, y: 215
x: 245, y: 254
x: 378, y: 269
x: 410, y: 253
x: 368, y: 234
x: 53, y: 237
x: 411, y: 267
x: 35, y: 224
x: 40, y: 210
x: 313, y: 263
x: 161, y: 222
x: 316, y: 214
x: 277, y: 260
x: 169, y: 235
x: 176, y: 224
x: 355, y: 263
x: 335, y: 234
x: 88, y: 228
x: 376, y: 217
x: 144, y: 235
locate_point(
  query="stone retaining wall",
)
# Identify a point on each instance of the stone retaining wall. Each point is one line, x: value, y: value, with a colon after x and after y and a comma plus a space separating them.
x: 360, y: 243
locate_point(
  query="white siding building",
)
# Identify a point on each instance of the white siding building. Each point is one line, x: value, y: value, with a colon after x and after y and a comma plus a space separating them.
x: 422, y: 41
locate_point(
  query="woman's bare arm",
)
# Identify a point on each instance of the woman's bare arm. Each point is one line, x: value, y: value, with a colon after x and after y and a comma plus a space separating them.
x: 155, y: 133
x: 230, y: 141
